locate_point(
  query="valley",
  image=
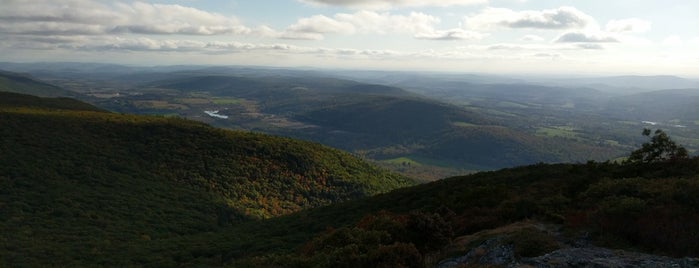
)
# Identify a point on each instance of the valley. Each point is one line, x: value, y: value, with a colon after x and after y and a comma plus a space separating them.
x: 349, y: 133
x: 91, y: 186
x: 441, y: 125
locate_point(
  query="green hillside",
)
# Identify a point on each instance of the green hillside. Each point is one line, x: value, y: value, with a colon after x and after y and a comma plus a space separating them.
x: 650, y: 208
x: 378, y: 122
x: 17, y: 100
x: 90, y: 188
x: 18, y: 83
x: 76, y: 185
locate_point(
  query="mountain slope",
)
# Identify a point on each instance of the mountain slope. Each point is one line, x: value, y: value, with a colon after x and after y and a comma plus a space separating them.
x: 75, y: 184
x: 87, y: 188
x: 661, y: 105
x: 386, y: 123
x: 18, y: 83
x: 648, y: 208
x: 10, y: 99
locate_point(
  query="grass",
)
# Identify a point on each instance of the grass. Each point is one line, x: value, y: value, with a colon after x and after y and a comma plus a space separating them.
x: 562, y: 131
x: 157, y: 104
x: 226, y: 101
x: 424, y: 169
x: 193, y: 101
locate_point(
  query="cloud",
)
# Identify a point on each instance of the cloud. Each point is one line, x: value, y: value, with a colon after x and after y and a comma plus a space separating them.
x: 321, y: 25
x: 86, y: 17
x: 453, y: 34
x: 389, y: 4
x: 144, y: 44
x: 532, y: 38
x: 384, y: 23
x: 417, y: 24
x: 560, y: 18
x: 581, y: 37
x: 547, y: 55
x: 590, y: 46
x: 673, y: 40
x: 628, y: 25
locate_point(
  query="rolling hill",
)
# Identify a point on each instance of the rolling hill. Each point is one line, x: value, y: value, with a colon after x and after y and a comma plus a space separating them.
x: 24, y: 84
x: 661, y: 105
x: 384, y: 122
x: 404, y: 130
x: 93, y: 188
x: 76, y: 184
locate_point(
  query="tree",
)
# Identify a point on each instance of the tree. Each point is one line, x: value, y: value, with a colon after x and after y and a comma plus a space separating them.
x: 660, y: 148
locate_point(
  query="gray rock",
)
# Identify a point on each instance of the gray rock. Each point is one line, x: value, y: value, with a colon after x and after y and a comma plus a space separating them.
x: 494, y: 252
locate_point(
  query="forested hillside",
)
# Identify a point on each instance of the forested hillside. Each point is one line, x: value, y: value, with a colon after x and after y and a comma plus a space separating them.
x: 522, y: 213
x: 92, y: 188
x: 24, y: 84
x: 75, y: 184
x: 380, y: 122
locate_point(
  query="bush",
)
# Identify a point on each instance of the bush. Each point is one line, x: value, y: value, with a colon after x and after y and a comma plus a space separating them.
x: 530, y: 242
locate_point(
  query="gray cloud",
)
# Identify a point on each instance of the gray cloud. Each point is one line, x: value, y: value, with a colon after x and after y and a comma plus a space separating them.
x: 628, y: 25
x: 591, y: 46
x: 87, y: 17
x: 560, y: 18
x: 388, y: 4
x: 420, y: 25
x: 453, y: 34
x: 580, y: 37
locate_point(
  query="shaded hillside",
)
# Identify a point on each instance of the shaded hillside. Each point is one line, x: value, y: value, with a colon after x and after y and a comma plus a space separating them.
x: 9, y: 99
x: 18, y: 83
x: 382, y: 123
x: 386, y: 123
x: 663, y: 105
x: 77, y: 184
x: 649, y: 208
x: 85, y: 188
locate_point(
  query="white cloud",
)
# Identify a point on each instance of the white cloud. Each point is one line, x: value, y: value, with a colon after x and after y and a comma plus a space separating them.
x: 591, y: 46
x: 86, y: 17
x: 389, y: 4
x: 547, y: 55
x: 144, y: 44
x: 384, y: 23
x: 532, y: 38
x: 583, y: 37
x: 419, y: 25
x: 452, y: 34
x: 628, y: 25
x: 560, y: 18
x: 673, y: 40
x: 321, y: 25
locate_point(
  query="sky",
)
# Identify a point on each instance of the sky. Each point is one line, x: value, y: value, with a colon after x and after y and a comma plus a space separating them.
x: 585, y: 37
